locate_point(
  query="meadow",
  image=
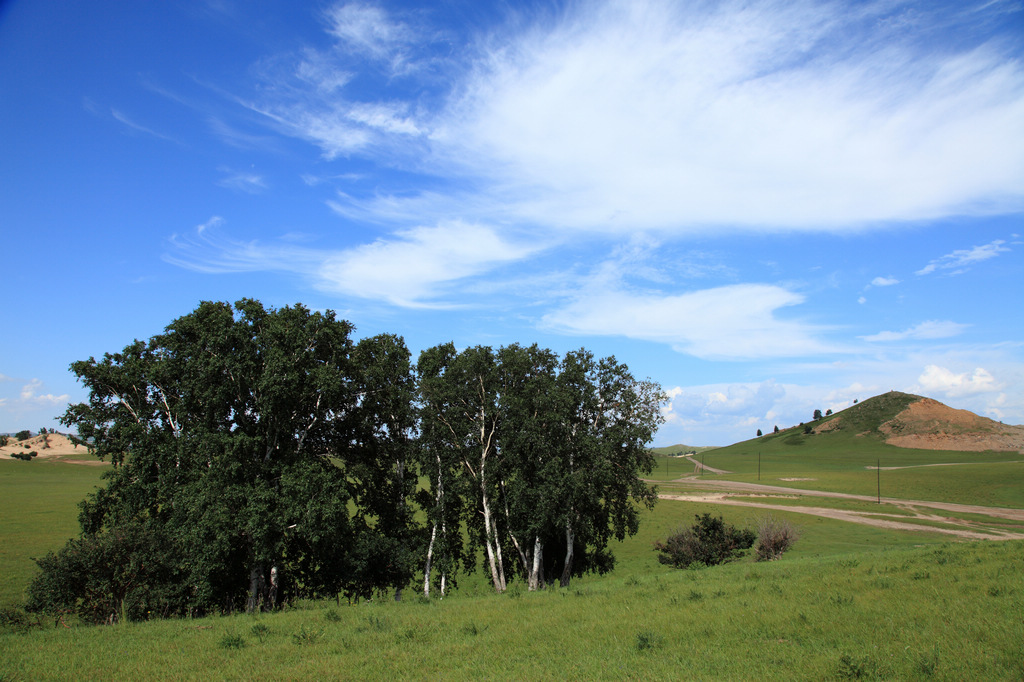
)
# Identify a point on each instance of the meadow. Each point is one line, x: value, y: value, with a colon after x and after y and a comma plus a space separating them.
x: 847, y: 602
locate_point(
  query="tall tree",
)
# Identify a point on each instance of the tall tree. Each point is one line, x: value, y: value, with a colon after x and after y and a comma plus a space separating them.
x: 383, y: 464
x: 224, y: 433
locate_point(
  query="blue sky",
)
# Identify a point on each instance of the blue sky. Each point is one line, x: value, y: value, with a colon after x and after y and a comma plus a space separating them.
x: 767, y: 207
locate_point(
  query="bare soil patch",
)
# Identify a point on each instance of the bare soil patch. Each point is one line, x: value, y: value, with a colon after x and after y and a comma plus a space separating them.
x: 929, y: 425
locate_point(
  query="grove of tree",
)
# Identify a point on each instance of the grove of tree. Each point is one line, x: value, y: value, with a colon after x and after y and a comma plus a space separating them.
x: 262, y: 455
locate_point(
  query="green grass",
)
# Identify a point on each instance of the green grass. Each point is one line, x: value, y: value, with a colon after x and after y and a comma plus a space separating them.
x: 947, y: 612
x: 38, y: 513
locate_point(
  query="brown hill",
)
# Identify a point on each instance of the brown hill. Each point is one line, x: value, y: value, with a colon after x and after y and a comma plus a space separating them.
x: 929, y: 425
x: 48, y: 445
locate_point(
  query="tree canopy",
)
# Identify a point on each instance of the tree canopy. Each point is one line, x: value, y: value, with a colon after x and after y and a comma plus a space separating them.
x: 261, y: 454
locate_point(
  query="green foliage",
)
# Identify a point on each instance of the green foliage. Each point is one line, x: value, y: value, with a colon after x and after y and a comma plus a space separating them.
x: 539, y: 457
x: 219, y: 430
x: 14, y: 619
x: 307, y: 635
x: 126, y: 572
x: 23, y: 435
x: 645, y: 639
x: 708, y: 542
x: 232, y: 641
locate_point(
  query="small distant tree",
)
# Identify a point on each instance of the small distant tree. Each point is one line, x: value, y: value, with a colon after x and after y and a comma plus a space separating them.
x: 808, y: 429
x: 776, y: 428
x: 828, y: 413
x: 708, y: 542
x: 854, y: 401
x: 4, y: 439
x: 817, y: 415
x: 23, y: 435
x: 759, y: 433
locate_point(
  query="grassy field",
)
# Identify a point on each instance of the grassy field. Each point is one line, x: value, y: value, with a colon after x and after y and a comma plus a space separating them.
x: 847, y: 602
x: 38, y: 513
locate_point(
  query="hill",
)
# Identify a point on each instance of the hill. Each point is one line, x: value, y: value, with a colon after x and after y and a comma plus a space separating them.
x: 912, y: 421
x: 44, y: 445
x: 679, y: 450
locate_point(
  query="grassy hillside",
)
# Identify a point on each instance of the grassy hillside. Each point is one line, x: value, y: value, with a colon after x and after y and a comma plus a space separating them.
x: 949, y: 612
x: 680, y: 449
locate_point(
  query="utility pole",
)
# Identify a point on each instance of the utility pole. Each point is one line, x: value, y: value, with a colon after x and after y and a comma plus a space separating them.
x: 878, y: 471
x: 759, y: 465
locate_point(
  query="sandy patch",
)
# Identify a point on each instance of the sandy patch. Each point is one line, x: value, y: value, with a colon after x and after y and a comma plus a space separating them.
x: 50, y: 446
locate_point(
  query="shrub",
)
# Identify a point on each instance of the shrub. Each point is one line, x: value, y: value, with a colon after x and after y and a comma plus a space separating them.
x: 123, y: 574
x: 708, y: 542
x: 774, y: 536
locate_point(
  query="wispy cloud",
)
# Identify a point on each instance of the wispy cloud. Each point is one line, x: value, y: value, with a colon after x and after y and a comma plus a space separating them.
x: 412, y: 268
x: 138, y: 127
x: 664, y: 116
x: 730, y: 322
x: 932, y: 329
x: 884, y: 281
x: 961, y: 260
x: 248, y: 182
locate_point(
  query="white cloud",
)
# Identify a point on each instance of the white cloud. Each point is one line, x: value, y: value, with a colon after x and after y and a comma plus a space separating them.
x: 932, y: 329
x: 730, y: 322
x: 413, y: 268
x: 884, y: 281
x: 250, y: 183
x: 30, y: 397
x: 680, y: 117
x: 368, y: 30
x: 937, y: 379
x: 409, y: 270
x: 961, y: 259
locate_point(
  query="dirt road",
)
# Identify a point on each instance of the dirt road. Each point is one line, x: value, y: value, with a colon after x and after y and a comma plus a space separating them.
x: 911, y: 509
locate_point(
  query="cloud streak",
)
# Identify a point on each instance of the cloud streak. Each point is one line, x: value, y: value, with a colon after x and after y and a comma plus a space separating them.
x: 932, y: 329
x: 961, y: 260
x: 414, y: 268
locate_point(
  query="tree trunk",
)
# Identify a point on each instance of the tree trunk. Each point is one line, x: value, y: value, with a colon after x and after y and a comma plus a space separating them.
x: 536, y: 579
x: 430, y: 559
x: 256, y: 586
x: 272, y: 596
x: 570, y: 540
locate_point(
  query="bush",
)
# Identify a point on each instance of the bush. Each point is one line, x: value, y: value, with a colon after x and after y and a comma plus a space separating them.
x: 23, y: 435
x: 774, y: 536
x: 122, y: 574
x: 708, y: 542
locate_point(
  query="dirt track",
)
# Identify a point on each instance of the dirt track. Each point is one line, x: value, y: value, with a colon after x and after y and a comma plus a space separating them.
x: 964, y: 529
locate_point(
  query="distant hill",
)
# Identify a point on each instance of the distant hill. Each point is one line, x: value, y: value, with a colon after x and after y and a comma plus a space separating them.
x: 44, y: 445
x: 912, y: 421
x: 678, y: 450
